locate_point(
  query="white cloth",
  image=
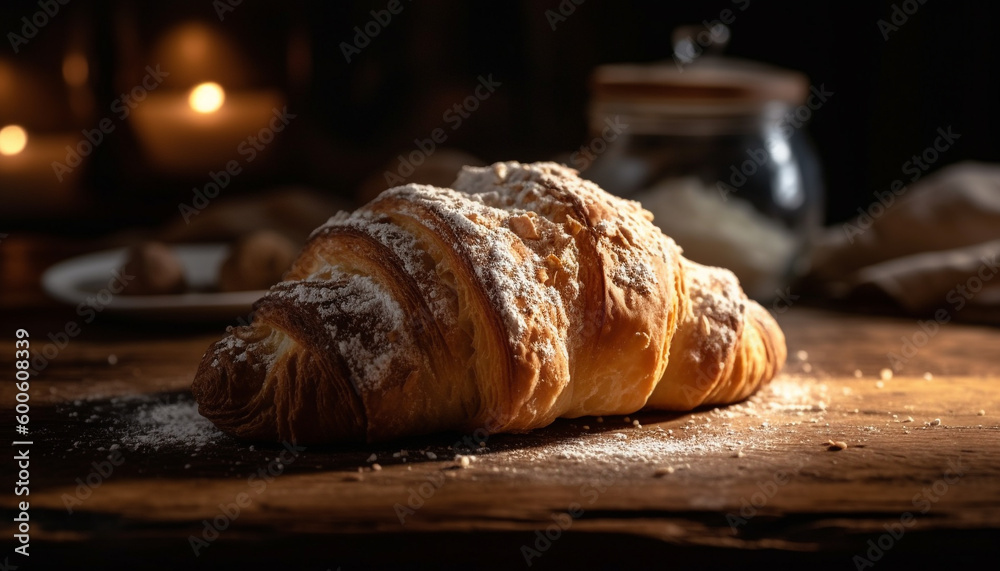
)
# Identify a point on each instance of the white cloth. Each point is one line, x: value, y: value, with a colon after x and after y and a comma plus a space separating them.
x: 934, y: 245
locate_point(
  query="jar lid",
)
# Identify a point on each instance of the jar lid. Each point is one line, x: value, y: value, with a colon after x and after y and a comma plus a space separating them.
x: 722, y: 83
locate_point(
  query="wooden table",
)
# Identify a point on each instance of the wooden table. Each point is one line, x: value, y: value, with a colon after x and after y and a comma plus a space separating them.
x: 755, y: 483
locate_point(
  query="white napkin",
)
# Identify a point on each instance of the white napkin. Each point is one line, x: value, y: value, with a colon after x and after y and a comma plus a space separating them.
x: 933, y: 246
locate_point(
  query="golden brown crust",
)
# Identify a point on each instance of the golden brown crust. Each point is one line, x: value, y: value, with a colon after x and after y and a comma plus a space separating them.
x: 525, y: 295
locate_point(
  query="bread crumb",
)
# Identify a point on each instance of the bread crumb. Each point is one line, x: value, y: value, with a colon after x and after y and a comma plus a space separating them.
x: 908, y: 419
x: 372, y: 458
x: 935, y: 422
x: 857, y: 373
x: 636, y: 424
x: 627, y: 419
x: 463, y: 461
x: 586, y: 427
x: 600, y: 419
x: 376, y: 467
x: 885, y: 374
x: 981, y: 413
x: 431, y: 455
x: 739, y: 454
x: 928, y: 376
x: 807, y: 368
x: 879, y: 385
x: 661, y: 472
x: 802, y: 355
x: 835, y: 445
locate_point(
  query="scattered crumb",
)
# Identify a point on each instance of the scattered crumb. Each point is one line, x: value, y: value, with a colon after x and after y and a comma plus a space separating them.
x: 981, y: 413
x: 879, y: 385
x: 112, y: 359
x: 661, y: 472
x: 807, y: 368
x: 463, y: 461
x: 373, y: 457
x: 739, y: 454
x: 835, y: 445
x: 802, y: 355
x: 430, y: 455
x: 928, y: 376
x: 600, y: 419
x: 627, y: 419
x: 885, y: 374
x: 636, y: 424
x: 935, y: 422
x: 376, y: 467
x: 857, y: 373
x: 586, y: 427
x: 908, y: 419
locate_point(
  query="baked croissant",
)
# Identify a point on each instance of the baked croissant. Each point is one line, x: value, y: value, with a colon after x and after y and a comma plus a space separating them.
x: 523, y: 295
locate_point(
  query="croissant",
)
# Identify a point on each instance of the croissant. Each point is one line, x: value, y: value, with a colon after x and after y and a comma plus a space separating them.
x: 522, y: 295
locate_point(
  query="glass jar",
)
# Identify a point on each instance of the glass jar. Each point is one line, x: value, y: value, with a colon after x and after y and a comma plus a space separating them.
x: 716, y: 151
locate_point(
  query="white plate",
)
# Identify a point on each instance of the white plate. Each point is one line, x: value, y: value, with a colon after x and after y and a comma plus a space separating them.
x: 91, y: 280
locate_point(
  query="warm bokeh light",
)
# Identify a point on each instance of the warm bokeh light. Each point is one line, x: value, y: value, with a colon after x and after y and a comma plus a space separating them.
x: 207, y: 97
x: 75, y: 69
x: 13, y: 139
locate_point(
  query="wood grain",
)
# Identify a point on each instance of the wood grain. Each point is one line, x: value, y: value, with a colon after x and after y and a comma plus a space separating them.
x: 749, y: 484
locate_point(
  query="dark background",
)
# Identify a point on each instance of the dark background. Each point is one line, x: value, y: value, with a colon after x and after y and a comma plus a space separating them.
x: 939, y: 69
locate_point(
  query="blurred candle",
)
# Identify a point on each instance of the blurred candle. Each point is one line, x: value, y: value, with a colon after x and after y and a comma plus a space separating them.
x: 204, y: 129
x: 27, y: 178
x: 13, y: 139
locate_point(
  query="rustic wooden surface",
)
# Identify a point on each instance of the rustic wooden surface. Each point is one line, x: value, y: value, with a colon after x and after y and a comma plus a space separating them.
x: 748, y: 484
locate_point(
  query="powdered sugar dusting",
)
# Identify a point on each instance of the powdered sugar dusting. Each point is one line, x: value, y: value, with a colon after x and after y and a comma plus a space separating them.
x: 362, y: 320
x: 170, y: 424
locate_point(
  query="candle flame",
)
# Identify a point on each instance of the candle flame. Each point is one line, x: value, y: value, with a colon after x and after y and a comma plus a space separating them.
x: 207, y: 97
x: 13, y: 139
